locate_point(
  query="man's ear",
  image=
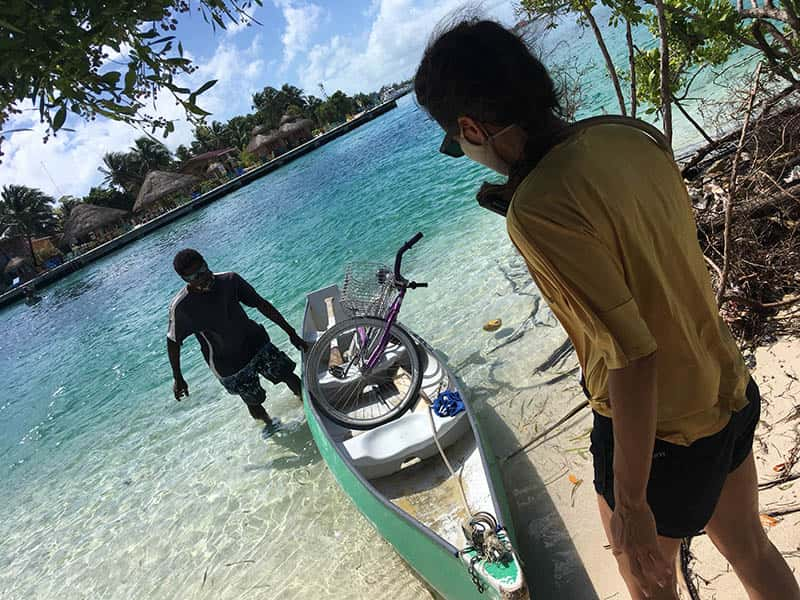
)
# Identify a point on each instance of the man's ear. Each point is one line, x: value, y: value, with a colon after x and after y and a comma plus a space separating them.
x: 471, y: 130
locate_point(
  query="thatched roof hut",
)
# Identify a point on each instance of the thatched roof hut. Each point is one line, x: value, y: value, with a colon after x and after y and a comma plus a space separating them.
x: 17, y: 265
x: 160, y: 184
x: 296, y: 126
x: 198, y: 165
x: 297, y: 132
x: 85, y: 218
x: 264, y: 145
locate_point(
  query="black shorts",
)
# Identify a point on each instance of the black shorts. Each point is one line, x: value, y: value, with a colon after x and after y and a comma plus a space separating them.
x: 269, y: 362
x: 685, y: 481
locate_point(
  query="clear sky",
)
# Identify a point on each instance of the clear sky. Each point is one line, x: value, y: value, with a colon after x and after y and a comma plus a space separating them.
x: 352, y: 45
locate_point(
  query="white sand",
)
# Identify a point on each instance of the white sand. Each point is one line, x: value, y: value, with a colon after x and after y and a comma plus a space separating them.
x: 560, y: 530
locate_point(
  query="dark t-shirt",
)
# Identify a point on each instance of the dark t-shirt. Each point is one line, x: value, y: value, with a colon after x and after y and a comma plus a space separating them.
x: 228, y: 337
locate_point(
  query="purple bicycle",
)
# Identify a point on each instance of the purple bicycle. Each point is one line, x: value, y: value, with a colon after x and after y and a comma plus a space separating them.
x: 367, y: 370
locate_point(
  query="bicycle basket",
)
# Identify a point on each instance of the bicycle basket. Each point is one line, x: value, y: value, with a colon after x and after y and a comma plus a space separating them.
x: 368, y: 289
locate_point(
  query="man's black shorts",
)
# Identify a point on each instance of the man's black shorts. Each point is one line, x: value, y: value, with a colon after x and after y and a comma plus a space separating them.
x: 685, y: 481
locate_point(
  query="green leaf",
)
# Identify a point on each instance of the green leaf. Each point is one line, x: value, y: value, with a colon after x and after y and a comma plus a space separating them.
x: 130, y: 78
x: 60, y: 117
x: 195, y: 109
x: 112, y: 77
x: 218, y: 20
x: 205, y: 87
x: 180, y: 49
x: 8, y: 25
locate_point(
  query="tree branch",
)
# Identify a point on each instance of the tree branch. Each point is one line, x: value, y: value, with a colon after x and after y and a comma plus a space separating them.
x: 666, y: 93
x: 632, y: 63
x: 726, y: 258
x: 612, y: 71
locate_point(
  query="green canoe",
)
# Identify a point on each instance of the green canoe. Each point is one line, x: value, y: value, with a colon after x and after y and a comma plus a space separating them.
x: 397, y: 479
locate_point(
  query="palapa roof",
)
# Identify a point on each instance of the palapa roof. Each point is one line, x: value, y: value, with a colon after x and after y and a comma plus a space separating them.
x: 206, y: 157
x: 260, y: 141
x: 299, y: 125
x: 159, y: 184
x: 86, y: 218
x: 15, y: 264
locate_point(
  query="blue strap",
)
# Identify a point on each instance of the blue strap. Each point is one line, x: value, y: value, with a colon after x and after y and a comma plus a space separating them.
x: 448, y: 403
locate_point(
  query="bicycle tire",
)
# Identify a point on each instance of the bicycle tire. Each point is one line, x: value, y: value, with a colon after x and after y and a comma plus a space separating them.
x: 317, y: 362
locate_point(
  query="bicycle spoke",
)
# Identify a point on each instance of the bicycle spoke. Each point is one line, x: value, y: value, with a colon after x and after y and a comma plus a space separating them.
x: 359, y: 397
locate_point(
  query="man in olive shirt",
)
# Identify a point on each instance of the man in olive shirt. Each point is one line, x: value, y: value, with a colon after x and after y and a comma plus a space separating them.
x: 236, y: 348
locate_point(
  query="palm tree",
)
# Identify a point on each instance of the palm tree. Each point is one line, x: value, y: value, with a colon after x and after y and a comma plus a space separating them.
x: 127, y: 170
x: 150, y: 155
x: 61, y: 212
x: 293, y: 95
x: 121, y: 171
x: 28, y: 211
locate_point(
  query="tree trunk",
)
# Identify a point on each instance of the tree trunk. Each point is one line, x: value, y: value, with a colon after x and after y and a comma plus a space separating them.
x: 666, y: 93
x: 612, y: 71
x: 632, y: 63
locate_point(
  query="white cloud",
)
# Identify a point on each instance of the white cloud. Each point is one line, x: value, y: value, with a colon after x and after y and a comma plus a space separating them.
x: 302, y: 21
x: 72, y: 158
x: 392, y: 49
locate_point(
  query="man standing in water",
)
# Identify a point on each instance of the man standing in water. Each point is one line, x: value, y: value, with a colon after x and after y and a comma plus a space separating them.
x: 236, y: 348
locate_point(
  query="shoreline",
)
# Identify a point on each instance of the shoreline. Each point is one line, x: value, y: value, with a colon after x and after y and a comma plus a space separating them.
x: 75, y: 264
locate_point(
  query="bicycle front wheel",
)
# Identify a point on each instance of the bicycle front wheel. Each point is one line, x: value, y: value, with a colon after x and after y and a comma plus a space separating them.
x: 351, y: 393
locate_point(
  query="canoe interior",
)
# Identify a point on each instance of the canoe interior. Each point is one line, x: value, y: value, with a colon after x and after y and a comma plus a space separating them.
x: 422, y: 487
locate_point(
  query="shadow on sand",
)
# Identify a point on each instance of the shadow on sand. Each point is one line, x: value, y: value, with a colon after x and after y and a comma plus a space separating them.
x: 552, y: 565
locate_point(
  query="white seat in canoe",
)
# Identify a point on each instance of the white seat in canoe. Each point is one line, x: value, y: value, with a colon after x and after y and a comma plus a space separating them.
x: 383, y: 450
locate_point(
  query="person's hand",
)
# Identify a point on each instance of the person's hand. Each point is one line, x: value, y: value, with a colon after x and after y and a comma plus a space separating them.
x: 299, y: 343
x: 180, y: 388
x: 633, y: 533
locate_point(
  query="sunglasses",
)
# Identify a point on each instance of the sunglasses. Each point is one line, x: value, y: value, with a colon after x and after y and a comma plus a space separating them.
x: 199, y: 274
x: 451, y: 147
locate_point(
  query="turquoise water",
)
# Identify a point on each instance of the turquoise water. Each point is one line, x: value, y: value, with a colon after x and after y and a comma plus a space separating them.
x: 111, y: 489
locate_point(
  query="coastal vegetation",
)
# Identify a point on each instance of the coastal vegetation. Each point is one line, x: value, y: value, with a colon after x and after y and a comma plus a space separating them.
x: 91, y: 58
x: 745, y: 180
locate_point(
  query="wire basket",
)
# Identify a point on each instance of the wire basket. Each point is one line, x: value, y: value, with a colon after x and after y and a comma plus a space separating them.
x: 368, y: 289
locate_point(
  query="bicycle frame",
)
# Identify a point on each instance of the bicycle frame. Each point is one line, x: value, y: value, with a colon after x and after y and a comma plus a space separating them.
x: 402, y: 285
x: 391, y: 319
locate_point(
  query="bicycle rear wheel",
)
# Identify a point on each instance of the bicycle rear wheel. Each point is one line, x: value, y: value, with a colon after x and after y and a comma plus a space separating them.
x: 350, y: 393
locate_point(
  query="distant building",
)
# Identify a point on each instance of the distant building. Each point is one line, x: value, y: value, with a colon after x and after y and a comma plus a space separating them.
x: 199, y: 165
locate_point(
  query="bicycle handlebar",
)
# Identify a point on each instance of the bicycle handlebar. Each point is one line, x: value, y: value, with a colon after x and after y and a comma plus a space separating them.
x: 398, y: 259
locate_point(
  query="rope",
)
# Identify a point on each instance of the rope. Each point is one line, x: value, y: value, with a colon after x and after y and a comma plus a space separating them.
x: 447, y: 462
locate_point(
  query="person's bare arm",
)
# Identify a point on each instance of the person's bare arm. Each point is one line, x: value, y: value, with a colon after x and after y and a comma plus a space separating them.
x: 632, y: 392
x: 180, y: 388
x: 273, y: 314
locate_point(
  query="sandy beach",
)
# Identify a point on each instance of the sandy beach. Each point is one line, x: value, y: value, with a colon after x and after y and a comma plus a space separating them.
x: 555, y: 502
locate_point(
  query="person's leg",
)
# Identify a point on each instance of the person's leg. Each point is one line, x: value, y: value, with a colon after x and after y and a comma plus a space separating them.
x: 277, y: 367
x: 259, y: 413
x: 669, y: 549
x: 292, y: 381
x: 246, y: 385
x: 736, y: 530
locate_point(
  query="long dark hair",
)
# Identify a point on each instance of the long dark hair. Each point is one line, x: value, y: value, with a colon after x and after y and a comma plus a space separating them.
x: 480, y: 69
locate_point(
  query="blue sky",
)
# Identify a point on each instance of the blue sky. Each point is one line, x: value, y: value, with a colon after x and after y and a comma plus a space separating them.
x: 354, y: 45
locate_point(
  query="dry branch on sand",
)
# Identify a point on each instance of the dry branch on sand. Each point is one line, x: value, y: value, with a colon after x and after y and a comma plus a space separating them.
x: 754, y: 172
